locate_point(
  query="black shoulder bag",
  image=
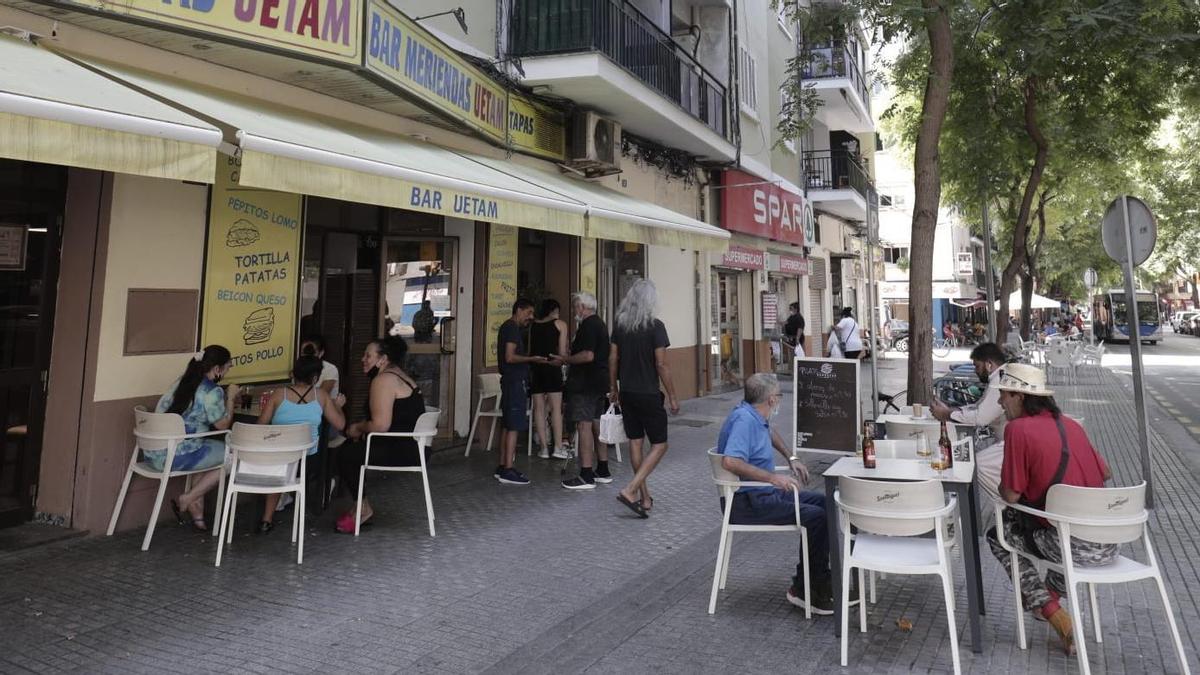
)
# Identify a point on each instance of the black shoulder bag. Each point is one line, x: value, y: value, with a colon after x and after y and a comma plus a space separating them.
x: 1028, y: 524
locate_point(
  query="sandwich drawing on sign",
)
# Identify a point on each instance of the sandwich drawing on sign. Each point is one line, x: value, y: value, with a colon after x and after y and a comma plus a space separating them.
x: 241, y: 233
x: 258, y: 326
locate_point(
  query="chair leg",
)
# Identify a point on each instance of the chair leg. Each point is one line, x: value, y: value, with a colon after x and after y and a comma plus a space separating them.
x: 1162, y: 592
x: 296, y: 516
x: 529, y: 437
x: 491, y: 433
x: 1077, y: 627
x: 300, y: 516
x: 716, y: 584
x: 471, y: 436
x: 225, y: 524
x: 948, y: 589
x: 845, y: 572
x: 862, y: 601
x: 872, y: 581
x: 1016, y: 584
x: 362, y: 478
x: 162, y: 491
x: 428, y: 500
x: 231, y: 514
x: 1095, y: 611
x: 112, y: 522
x: 725, y: 564
x: 218, y: 517
x: 807, y: 574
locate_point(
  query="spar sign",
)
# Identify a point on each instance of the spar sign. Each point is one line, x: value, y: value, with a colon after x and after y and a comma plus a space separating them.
x: 763, y: 208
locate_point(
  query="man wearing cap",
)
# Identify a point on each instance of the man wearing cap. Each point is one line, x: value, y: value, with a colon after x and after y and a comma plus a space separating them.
x: 1042, y: 448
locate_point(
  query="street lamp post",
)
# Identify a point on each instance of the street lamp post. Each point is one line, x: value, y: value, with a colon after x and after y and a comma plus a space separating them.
x: 991, y: 277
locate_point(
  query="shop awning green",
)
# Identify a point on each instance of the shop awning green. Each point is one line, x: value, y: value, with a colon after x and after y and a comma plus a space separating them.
x: 292, y: 151
x: 55, y: 111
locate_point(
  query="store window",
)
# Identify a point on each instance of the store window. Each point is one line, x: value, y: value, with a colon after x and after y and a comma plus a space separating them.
x: 622, y: 263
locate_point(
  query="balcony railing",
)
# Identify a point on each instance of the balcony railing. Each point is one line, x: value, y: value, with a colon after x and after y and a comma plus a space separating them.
x: 835, y: 170
x: 631, y: 40
x: 835, y: 61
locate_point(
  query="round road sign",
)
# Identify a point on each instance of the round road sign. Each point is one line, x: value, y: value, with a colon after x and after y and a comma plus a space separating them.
x: 1143, y: 230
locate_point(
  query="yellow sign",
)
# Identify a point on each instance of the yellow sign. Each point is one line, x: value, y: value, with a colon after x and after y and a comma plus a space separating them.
x: 327, y: 29
x: 535, y: 129
x: 251, y: 274
x: 501, y: 285
x: 587, y: 265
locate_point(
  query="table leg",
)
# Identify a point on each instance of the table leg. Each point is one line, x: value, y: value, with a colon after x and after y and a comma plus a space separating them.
x: 970, y: 549
x: 974, y: 498
x: 835, y: 552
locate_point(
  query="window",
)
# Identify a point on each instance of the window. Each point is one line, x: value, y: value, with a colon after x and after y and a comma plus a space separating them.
x: 892, y: 254
x: 747, y: 76
x: 892, y: 201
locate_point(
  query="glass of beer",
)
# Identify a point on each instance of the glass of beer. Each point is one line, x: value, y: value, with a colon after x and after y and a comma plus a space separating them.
x: 923, y: 449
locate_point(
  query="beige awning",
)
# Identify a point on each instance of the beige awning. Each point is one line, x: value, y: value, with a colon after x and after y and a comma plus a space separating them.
x: 57, y: 112
x: 291, y: 151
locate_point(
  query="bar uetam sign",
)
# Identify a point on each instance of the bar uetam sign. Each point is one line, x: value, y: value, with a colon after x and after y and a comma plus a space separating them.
x: 761, y: 208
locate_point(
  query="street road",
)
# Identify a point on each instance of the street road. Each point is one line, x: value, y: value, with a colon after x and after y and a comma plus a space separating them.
x: 1172, y: 375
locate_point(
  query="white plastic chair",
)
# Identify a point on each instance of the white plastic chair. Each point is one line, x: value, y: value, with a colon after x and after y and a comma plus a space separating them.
x: 161, y: 431
x: 889, y: 518
x: 1060, y: 357
x: 1104, y: 516
x: 489, y: 388
x: 900, y: 431
x: 423, y: 432
x: 896, y: 448
x: 727, y: 484
x: 264, y: 462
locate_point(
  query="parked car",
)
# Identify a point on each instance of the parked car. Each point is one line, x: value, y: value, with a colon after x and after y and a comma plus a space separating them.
x: 1182, y: 321
x: 898, y: 329
x: 1192, y: 325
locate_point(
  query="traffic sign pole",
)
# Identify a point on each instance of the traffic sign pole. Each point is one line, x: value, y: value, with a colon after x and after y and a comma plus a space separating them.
x: 1135, y: 350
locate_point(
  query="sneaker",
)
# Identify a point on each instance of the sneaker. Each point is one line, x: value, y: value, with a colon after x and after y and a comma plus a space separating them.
x: 285, y: 501
x: 578, y: 483
x: 822, y: 602
x: 512, y: 477
x: 603, y: 475
x: 561, y: 453
x: 544, y: 453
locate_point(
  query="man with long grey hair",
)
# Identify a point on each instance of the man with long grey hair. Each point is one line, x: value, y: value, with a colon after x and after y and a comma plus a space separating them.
x: 637, y: 362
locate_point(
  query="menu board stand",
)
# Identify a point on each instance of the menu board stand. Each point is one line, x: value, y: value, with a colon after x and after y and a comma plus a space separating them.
x: 827, y: 410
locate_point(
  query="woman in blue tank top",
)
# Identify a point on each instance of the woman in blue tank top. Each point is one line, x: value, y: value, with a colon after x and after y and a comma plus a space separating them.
x: 302, y: 402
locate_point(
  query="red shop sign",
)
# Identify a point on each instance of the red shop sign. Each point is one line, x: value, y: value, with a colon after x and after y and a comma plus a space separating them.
x: 761, y: 208
x: 744, y: 258
x: 793, y: 264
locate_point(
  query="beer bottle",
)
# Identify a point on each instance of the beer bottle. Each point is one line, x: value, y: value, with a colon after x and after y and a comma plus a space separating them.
x: 946, y: 449
x: 868, y: 445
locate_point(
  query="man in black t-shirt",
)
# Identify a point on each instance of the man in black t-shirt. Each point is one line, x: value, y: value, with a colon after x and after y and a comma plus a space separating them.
x: 513, y: 363
x: 636, y: 364
x: 793, y: 329
x: 586, y: 389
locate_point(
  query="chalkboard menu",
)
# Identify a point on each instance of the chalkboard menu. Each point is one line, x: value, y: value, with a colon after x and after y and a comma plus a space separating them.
x: 827, y: 410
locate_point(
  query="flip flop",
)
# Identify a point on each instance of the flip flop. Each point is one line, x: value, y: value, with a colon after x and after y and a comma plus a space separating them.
x: 647, y: 506
x: 636, y: 507
x: 178, y: 512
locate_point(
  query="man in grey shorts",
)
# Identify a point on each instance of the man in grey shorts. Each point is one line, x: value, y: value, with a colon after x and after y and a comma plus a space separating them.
x: 586, y: 390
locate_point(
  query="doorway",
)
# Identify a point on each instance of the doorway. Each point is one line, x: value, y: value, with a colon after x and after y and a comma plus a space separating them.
x: 726, y: 367
x: 32, y: 198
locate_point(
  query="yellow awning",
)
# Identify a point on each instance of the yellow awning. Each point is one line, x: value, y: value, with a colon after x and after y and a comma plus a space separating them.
x: 57, y: 112
x: 288, y: 150
x: 612, y: 215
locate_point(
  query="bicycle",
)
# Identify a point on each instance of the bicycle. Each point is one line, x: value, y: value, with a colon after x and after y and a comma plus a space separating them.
x: 941, y: 346
x: 890, y: 401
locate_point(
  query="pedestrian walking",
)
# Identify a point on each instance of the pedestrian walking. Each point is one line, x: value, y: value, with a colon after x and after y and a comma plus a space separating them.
x: 637, y: 363
x: 849, y: 335
x: 793, y: 329
x: 514, y: 361
x: 586, y: 390
x: 548, y: 337
x: 1043, y: 448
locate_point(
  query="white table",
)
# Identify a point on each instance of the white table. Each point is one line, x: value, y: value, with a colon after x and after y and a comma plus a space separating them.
x: 958, y: 480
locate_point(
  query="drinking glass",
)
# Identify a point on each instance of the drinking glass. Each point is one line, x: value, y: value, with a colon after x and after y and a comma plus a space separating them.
x: 923, y: 449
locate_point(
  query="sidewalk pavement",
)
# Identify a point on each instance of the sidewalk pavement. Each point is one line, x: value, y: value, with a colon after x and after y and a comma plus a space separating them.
x: 538, y: 579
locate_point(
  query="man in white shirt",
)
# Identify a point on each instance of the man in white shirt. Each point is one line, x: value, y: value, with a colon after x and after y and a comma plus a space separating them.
x: 987, y: 416
x: 848, y: 334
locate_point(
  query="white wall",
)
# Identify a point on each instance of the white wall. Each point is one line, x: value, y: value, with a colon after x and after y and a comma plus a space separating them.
x: 156, y: 240
x: 465, y: 231
x: 672, y: 271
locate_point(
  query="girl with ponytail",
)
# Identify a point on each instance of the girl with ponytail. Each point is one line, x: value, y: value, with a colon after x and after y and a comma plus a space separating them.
x: 197, y: 398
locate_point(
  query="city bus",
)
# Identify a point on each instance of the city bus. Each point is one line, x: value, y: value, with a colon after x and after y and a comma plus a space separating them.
x: 1109, y: 318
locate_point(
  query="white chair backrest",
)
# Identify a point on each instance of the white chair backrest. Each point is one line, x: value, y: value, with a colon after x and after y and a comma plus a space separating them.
x: 1117, y: 503
x: 896, y: 449
x: 269, y: 449
x: 426, y: 426
x: 1058, y: 357
x: 892, y: 498
x: 152, y: 430
x: 726, y: 480
x: 489, y: 385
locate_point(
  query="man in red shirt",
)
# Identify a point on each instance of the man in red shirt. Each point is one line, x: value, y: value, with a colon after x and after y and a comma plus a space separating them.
x: 1043, y: 447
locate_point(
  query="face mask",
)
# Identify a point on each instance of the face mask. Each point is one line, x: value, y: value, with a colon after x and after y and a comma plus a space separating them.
x: 776, y: 409
x: 372, y: 372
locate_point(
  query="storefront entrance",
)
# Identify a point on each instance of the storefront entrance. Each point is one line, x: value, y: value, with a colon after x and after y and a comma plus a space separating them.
x: 725, y: 370
x: 31, y: 204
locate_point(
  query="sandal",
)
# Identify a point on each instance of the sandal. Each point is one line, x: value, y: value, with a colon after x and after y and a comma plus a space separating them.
x: 178, y: 512
x: 265, y: 526
x: 647, y: 505
x: 636, y: 507
x: 345, y: 523
x: 199, y: 525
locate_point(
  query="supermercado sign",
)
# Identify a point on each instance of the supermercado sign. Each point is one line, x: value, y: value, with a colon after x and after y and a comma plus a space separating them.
x: 328, y: 29
x: 404, y: 54
x: 754, y: 206
x: 744, y: 258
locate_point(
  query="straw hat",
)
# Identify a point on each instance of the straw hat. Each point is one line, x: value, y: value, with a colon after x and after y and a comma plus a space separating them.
x: 1023, y: 379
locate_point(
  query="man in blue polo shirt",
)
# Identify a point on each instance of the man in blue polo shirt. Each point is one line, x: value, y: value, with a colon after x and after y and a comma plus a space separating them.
x: 749, y: 445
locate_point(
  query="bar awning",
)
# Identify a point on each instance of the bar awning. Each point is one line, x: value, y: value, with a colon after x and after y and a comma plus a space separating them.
x: 612, y: 215
x: 57, y: 112
x: 291, y: 151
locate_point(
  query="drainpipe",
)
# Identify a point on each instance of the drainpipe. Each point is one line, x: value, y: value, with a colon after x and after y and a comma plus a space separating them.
x: 699, y: 260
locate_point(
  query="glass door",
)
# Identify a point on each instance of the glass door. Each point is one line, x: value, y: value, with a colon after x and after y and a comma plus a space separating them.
x: 420, y: 304
x: 726, y: 370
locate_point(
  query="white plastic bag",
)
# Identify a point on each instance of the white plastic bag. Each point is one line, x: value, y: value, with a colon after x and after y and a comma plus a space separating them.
x: 612, y: 427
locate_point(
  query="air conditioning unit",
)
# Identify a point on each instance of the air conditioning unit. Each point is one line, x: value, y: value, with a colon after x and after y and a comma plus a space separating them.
x: 595, y: 145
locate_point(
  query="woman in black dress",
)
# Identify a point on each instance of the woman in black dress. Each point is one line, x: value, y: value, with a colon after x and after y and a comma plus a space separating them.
x: 548, y: 337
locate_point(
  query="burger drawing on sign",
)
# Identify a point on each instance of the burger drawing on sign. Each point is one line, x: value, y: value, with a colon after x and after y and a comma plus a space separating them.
x: 241, y: 233
x: 258, y: 326
x: 826, y: 368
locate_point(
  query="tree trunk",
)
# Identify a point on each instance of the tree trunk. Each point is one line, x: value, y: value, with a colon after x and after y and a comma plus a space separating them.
x: 1195, y: 291
x: 1026, y: 301
x: 928, y: 194
x: 1029, y: 274
x: 1021, y: 227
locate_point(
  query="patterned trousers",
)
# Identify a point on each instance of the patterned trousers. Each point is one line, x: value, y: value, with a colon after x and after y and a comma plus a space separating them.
x: 1034, y: 591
